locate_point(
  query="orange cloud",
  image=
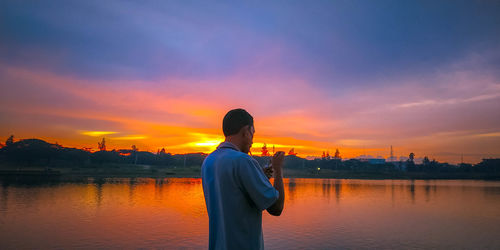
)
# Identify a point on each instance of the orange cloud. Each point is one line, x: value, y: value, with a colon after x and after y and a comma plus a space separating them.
x: 98, y: 133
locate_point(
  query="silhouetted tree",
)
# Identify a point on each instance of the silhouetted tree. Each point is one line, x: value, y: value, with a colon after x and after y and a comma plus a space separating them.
x: 9, y: 140
x: 337, y: 154
x: 103, y: 156
x: 102, y: 145
x: 134, y: 153
x: 489, y: 165
x: 411, y: 157
x: 465, y: 167
x: 325, y: 155
x: 426, y: 161
x: 31, y: 151
x: 164, y: 159
x: 76, y: 156
x: 410, y: 163
x: 265, y: 152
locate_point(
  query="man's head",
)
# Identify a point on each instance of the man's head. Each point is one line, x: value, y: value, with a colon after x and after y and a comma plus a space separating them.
x: 238, y: 129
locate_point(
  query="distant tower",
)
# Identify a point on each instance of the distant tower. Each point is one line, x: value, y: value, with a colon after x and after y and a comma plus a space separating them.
x: 392, y: 155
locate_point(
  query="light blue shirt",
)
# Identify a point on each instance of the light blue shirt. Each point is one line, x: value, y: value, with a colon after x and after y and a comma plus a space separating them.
x: 236, y: 192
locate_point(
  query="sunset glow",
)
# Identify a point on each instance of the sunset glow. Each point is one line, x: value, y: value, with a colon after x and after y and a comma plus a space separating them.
x: 315, y: 76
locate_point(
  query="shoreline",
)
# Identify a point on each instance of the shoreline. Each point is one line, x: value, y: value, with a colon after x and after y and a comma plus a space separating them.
x: 194, y: 172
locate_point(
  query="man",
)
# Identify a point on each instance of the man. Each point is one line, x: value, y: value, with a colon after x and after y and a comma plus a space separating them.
x: 237, y: 190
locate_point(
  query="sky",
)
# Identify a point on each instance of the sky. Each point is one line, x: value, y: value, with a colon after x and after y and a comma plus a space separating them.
x: 360, y: 76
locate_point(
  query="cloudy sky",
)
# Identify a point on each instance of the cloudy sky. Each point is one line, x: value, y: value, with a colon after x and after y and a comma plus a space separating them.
x: 423, y: 76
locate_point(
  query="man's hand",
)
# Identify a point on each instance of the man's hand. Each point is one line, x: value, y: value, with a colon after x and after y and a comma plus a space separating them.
x: 277, y: 161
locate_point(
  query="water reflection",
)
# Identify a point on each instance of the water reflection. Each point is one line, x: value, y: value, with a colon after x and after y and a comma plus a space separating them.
x: 131, y: 188
x: 4, y: 198
x: 291, y: 189
x: 338, y: 190
x: 392, y: 193
x: 98, y: 183
x: 171, y: 213
x: 326, y: 187
x: 412, y: 191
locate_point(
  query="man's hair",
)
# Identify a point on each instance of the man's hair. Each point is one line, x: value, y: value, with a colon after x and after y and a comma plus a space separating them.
x: 234, y: 120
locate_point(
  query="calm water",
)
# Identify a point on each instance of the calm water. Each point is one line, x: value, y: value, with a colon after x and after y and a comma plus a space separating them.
x: 319, y: 214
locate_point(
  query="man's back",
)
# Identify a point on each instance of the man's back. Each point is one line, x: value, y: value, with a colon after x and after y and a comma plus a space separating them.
x: 236, y: 191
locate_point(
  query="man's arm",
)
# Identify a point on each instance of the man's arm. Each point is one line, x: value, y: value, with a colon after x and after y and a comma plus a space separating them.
x: 277, y: 164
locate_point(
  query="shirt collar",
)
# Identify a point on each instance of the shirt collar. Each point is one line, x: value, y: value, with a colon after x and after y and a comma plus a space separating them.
x: 227, y: 144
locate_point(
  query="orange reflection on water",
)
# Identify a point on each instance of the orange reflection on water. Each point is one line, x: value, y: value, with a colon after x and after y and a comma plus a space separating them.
x: 319, y: 213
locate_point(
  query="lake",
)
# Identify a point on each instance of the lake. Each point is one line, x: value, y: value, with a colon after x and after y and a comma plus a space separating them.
x: 319, y: 214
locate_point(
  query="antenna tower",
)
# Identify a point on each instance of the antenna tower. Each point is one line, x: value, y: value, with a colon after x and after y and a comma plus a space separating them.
x: 392, y: 155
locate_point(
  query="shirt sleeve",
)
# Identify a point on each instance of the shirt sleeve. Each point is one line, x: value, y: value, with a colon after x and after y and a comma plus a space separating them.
x: 256, y: 184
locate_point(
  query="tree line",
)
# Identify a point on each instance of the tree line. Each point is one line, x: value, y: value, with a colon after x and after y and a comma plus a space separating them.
x: 36, y: 152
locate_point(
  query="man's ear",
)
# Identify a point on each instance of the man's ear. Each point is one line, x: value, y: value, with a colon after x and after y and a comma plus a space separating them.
x: 245, y: 131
